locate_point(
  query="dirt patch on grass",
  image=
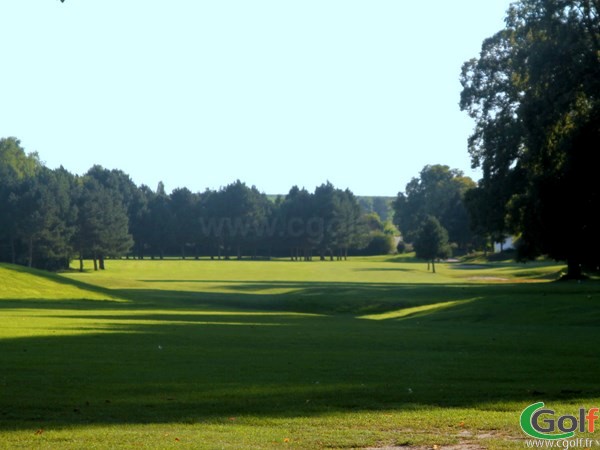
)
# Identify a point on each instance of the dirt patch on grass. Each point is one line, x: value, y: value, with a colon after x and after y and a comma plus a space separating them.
x: 468, y: 440
x: 461, y: 446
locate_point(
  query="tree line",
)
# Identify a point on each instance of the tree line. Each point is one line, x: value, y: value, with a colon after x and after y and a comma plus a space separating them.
x: 49, y: 218
x: 534, y: 94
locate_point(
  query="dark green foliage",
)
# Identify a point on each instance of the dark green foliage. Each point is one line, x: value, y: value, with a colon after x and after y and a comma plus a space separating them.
x: 160, y: 225
x: 486, y: 206
x: 36, y: 212
x: 239, y: 218
x: 183, y: 206
x: 534, y: 93
x: 431, y: 241
x: 102, y: 223
x: 379, y: 244
x: 49, y: 217
x: 297, y: 228
x: 438, y: 191
x: 338, y: 216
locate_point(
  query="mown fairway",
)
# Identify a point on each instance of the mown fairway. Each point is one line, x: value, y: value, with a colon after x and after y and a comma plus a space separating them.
x: 227, y: 354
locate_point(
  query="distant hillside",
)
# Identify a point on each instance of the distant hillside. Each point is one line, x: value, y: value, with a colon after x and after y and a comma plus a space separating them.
x: 379, y: 204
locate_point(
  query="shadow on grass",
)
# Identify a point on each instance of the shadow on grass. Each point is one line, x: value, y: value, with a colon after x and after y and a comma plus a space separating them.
x: 179, y: 356
x: 161, y: 368
x: 385, y: 269
x: 57, y: 278
x: 469, y: 266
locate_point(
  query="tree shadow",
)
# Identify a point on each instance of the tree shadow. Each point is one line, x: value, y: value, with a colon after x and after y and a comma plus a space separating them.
x: 473, y: 266
x: 385, y: 269
x: 168, y: 356
x: 58, y: 279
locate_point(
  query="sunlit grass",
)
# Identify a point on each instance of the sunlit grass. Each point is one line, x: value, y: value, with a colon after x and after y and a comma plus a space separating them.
x: 228, y: 354
x: 414, y: 311
x: 20, y: 283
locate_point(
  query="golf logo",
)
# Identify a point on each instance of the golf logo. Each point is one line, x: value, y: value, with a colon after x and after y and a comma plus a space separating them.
x: 542, y: 423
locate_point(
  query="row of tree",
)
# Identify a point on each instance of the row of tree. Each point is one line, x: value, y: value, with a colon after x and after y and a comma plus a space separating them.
x: 534, y: 93
x: 50, y: 217
x: 432, y: 214
x: 437, y: 192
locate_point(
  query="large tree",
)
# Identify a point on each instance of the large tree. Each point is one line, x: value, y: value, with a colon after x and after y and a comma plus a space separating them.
x: 299, y: 230
x: 102, y: 223
x: 16, y: 167
x: 439, y: 192
x: 534, y: 93
x: 36, y: 211
x: 338, y: 214
x: 160, y: 222
x: 184, y: 209
x: 431, y: 241
x: 44, y: 218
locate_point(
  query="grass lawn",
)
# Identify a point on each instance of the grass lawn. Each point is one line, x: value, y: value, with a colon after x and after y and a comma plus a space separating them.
x: 366, y: 353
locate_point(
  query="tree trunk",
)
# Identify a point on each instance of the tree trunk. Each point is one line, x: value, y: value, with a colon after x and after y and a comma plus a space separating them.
x: 433, y: 265
x: 101, y: 262
x: 573, y: 270
x: 81, y: 261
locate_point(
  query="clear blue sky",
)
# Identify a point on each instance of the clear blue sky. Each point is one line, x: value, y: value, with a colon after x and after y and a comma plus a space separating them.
x: 273, y: 92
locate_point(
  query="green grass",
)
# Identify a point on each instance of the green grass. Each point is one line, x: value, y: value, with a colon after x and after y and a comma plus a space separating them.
x: 370, y: 352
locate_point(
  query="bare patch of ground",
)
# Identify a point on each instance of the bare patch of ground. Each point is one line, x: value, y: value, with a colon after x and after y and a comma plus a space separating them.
x: 468, y: 441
